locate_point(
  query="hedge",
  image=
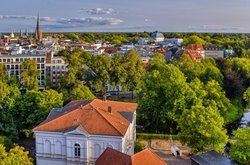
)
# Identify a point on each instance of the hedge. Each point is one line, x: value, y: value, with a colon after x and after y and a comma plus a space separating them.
x: 148, y: 136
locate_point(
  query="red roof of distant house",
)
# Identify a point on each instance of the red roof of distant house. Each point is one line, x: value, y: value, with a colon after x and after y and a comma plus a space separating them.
x: 195, y: 47
x: 194, y: 51
x: 147, y: 157
x: 92, y: 115
x: 114, y: 157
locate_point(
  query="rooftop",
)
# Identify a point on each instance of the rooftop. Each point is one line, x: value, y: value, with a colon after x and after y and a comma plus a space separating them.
x: 114, y: 157
x: 96, y: 117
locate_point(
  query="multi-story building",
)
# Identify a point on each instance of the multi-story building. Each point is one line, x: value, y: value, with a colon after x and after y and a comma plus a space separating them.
x: 13, y: 65
x: 213, y: 51
x: 195, y: 52
x: 79, y: 132
x: 48, y: 64
x: 56, y: 67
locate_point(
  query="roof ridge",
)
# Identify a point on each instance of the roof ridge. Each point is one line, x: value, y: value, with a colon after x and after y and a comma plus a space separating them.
x: 108, y: 121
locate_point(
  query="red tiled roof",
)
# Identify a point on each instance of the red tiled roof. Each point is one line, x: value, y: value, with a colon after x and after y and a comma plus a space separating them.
x: 194, y: 51
x: 92, y: 115
x: 114, y: 157
x: 147, y: 157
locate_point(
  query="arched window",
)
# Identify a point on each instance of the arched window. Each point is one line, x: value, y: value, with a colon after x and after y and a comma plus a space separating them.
x: 58, y: 148
x: 97, y: 150
x: 47, y: 147
x: 77, y: 148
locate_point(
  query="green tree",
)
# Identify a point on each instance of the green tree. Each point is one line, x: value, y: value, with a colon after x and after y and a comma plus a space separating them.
x: 240, y: 150
x: 29, y: 74
x: 194, y: 39
x: 99, y: 72
x: 165, y: 95
x: 118, y: 73
x: 4, y: 92
x: 16, y: 155
x: 34, y: 106
x: 211, y: 94
x: 81, y: 92
x: 7, y: 124
x: 3, y: 73
x: 134, y: 71
x: 201, y: 128
x: 232, y: 82
x: 246, y: 97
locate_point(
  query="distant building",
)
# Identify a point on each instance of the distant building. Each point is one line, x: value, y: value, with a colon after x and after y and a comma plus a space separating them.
x: 174, y: 41
x: 79, y: 132
x: 213, y: 51
x: 195, y: 52
x: 157, y: 36
x: 13, y: 65
x: 143, y: 41
x: 114, y: 157
x: 211, y: 158
x: 48, y: 64
x: 56, y: 68
x: 38, y: 30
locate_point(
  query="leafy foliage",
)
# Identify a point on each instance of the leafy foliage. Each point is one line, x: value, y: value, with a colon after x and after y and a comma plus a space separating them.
x: 240, y: 150
x: 202, y: 128
x: 29, y: 73
x: 16, y: 155
x: 165, y: 95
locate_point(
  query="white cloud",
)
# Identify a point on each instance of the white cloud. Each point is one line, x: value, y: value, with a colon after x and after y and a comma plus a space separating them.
x: 89, y: 21
x: 100, y: 11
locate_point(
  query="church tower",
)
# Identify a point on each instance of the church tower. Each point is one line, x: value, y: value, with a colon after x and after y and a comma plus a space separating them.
x: 38, y: 29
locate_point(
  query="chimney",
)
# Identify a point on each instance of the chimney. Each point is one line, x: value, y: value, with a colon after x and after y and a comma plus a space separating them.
x: 104, y: 97
x: 109, y: 109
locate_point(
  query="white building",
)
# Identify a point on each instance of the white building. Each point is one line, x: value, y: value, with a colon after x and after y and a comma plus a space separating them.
x: 79, y: 132
x: 157, y: 36
x: 174, y: 41
x: 13, y: 64
x: 213, y: 51
x: 143, y: 41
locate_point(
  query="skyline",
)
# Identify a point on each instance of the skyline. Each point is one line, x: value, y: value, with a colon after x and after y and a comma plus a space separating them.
x: 129, y: 16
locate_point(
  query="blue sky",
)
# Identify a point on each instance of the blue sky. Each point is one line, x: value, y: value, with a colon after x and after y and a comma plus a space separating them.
x: 126, y: 15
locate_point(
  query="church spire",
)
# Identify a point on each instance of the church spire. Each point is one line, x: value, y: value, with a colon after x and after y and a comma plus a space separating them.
x: 38, y: 29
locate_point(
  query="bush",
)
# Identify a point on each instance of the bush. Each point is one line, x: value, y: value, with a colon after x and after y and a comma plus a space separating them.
x: 6, y: 142
x: 28, y: 133
x: 139, y: 146
x: 146, y: 136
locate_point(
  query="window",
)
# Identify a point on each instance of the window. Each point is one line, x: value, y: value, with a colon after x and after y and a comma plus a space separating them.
x: 97, y: 150
x: 47, y: 147
x: 77, y: 150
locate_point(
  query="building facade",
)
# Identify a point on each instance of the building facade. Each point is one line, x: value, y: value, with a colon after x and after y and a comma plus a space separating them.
x: 79, y: 132
x: 48, y: 64
x: 213, y: 51
x: 13, y: 65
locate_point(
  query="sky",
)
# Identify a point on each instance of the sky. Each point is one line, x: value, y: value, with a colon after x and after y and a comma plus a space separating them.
x: 126, y: 15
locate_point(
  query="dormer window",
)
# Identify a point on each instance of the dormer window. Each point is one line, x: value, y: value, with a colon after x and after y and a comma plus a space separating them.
x: 77, y: 148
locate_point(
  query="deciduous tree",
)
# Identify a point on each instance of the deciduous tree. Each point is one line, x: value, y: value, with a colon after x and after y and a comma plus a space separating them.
x: 29, y: 74
x: 240, y: 150
x: 201, y: 128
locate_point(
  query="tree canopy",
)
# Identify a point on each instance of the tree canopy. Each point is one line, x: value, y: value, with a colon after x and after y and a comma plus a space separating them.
x: 16, y: 155
x: 201, y: 128
x: 240, y: 150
